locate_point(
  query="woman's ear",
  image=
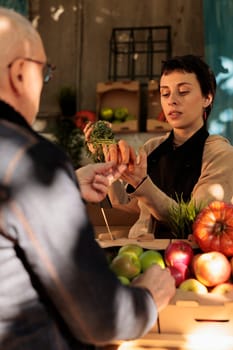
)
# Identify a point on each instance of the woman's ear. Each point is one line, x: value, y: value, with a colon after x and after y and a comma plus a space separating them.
x: 208, y: 100
x: 16, y: 75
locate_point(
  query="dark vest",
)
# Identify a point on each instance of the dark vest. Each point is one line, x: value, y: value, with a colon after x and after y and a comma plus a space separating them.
x: 176, y: 170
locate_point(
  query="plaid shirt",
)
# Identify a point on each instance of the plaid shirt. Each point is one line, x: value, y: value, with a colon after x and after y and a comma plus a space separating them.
x: 56, y: 290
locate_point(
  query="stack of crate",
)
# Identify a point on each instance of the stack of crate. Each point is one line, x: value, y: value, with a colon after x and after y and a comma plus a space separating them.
x: 135, y: 56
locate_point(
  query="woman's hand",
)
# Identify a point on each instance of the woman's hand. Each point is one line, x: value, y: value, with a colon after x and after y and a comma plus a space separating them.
x: 134, y: 174
x: 87, y: 133
x: 122, y: 153
x: 136, y: 164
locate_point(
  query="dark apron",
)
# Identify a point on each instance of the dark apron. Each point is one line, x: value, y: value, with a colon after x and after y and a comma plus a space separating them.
x: 176, y: 170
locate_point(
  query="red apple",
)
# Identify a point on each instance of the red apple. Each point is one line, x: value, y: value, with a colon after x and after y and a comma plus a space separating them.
x: 231, y: 262
x: 222, y: 288
x: 178, y: 252
x: 212, y: 268
x: 180, y: 272
x: 193, y: 285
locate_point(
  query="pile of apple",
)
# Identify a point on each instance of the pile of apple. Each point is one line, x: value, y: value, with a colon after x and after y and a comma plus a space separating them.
x: 206, y: 269
x: 193, y: 270
x: 115, y: 115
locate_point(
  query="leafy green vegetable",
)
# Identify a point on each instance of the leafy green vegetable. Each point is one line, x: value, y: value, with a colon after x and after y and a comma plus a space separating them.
x: 102, y: 134
x: 181, y: 217
x: 70, y: 139
x: 67, y: 101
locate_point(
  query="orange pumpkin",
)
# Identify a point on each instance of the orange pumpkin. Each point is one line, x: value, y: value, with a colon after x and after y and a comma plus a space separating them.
x: 213, y: 228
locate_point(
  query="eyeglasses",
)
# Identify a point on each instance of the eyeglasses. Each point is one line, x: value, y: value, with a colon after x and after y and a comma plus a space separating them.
x: 48, y: 68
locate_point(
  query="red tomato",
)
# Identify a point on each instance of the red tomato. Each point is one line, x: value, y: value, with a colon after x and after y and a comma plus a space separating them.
x: 213, y: 228
x: 82, y: 117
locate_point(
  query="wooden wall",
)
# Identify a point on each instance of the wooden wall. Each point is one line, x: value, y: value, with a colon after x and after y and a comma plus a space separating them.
x: 76, y: 35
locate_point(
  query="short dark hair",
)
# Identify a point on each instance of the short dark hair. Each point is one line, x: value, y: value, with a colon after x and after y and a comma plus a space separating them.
x: 193, y: 64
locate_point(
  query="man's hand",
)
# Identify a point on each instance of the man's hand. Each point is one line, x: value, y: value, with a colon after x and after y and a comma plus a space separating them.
x: 95, y: 179
x: 159, y: 282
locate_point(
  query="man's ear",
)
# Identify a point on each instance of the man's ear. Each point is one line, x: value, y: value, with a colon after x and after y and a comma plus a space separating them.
x: 16, y: 76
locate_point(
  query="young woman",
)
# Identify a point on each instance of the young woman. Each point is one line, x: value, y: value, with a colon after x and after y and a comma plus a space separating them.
x: 186, y: 163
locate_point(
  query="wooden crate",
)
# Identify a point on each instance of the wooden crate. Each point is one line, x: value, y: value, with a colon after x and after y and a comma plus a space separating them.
x: 115, y: 94
x: 153, y: 100
x: 154, y: 109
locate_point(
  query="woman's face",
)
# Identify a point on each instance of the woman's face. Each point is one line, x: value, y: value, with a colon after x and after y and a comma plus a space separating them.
x: 182, y: 101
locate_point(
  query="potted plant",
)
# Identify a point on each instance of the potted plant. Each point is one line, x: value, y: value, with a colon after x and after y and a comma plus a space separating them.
x: 182, y: 216
x: 67, y: 101
x: 70, y: 139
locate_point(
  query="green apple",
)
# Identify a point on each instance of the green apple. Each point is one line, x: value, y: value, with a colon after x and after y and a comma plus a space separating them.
x: 193, y: 285
x: 150, y: 257
x: 106, y: 113
x: 121, y: 113
x: 124, y: 280
x: 132, y: 248
x: 126, y: 264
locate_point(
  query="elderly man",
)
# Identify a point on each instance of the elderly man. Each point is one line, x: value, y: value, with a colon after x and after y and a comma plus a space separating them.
x: 56, y: 289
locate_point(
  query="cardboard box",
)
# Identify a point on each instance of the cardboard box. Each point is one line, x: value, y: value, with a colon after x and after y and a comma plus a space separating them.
x: 191, y: 321
x: 153, y: 341
x: 117, y: 219
x: 198, y: 313
x: 157, y: 244
x: 116, y: 94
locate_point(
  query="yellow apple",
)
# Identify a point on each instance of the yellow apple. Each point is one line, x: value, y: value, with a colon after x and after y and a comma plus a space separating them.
x: 222, y: 288
x: 126, y: 264
x: 132, y: 248
x: 193, y: 285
